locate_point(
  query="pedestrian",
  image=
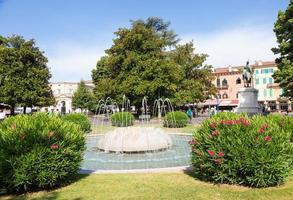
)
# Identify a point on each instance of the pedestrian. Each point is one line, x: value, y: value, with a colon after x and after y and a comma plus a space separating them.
x: 189, y: 114
x: 2, y: 115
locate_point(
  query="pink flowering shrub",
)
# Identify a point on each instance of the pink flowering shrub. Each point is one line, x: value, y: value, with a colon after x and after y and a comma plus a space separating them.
x: 39, y: 152
x: 234, y: 149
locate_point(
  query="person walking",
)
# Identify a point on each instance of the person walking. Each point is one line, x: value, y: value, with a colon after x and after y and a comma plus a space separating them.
x: 189, y: 114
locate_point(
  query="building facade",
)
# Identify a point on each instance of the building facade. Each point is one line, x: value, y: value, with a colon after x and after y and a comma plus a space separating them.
x: 269, y: 92
x: 228, y: 81
x: 63, y: 93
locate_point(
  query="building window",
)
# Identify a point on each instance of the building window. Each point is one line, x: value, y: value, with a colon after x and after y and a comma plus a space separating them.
x: 237, y: 95
x: 262, y: 71
x: 282, y: 91
x: 271, y: 70
x: 238, y: 81
x: 218, y: 82
x: 270, y: 80
x: 224, y: 82
x: 264, y: 92
x: 256, y: 81
x: 256, y: 71
x: 225, y: 96
x: 271, y: 92
x: 219, y: 96
x: 59, y: 91
x: 266, y: 71
x: 264, y: 80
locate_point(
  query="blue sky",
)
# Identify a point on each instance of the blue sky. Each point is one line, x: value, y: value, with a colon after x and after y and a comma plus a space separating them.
x: 75, y: 33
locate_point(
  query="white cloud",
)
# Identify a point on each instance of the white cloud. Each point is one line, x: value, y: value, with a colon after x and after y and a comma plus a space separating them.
x: 234, y: 46
x: 73, y: 61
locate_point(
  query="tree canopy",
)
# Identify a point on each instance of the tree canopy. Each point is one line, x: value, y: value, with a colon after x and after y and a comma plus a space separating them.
x: 138, y: 65
x: 284, y: 33
x: 24, y: 75
x: 82, y: 98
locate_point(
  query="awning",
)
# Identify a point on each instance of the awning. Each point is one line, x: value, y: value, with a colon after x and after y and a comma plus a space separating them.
x: 233, y: 102
x: 220, y: 102
x: 209, y: 102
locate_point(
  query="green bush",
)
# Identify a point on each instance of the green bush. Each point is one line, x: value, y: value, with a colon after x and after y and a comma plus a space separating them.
x: 39, y: 152
x: 175, y: 119
x: 284, y: 122
x: 235, y: 149
x: 122, y: 119
x: 79, y: 119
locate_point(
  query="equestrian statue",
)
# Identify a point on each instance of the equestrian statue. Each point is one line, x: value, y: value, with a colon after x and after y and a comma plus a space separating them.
x: 247, y: 75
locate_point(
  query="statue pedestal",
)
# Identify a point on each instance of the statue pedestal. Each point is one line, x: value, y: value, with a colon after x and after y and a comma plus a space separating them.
x: 248, y: 101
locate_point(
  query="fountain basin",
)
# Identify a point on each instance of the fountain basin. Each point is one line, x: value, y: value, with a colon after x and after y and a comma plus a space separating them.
x: 135, y: 140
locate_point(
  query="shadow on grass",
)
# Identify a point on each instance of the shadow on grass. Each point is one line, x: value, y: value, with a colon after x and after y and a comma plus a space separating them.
x: 50, y: 194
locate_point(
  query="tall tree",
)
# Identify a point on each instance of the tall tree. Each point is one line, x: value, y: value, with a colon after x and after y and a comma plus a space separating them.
x: 138, y: 65
x: 24, y: 75
x: 161, y: 28
x: 82, y: 98
x: 196, y: 82
x: 284, y: 32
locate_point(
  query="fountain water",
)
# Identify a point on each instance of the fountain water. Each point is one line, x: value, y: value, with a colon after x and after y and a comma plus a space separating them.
x: 138, y: 147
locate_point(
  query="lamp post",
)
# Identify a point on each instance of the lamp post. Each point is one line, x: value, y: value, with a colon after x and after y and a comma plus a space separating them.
x: 217, y: 103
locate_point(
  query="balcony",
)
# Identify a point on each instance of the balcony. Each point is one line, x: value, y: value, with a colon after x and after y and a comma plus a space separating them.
x: 222, y: 87
x: 273, y: 85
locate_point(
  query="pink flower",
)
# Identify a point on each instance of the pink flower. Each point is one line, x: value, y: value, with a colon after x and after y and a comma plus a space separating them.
x: 242, y: 119
x: 193, y: 142
x: 246, y: 123
x: 217, y: 161
x: 215, y: 132
x: 237, y: 121
x: 268, y: 138
x: 221, y: 154
x: 214, y: 125
x: 261, y: 131
x: 54, y: 146
x: 265, y: 126
x: 211, y: 152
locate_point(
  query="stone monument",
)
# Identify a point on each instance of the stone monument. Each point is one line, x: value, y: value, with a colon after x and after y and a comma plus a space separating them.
x: 248, y: 94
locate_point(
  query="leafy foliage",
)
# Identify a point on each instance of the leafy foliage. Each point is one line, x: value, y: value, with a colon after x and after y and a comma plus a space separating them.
x: 284, y: 34
x: 284, y: 122
x: 122, y: 119
x: 175, y: 119
x: 24, y: 75
x: 79, y: 119
x: 82, y: 98
x: 39, y: 152
x: 138, y: 65
x: 196, y: 83
x: 231, y: 148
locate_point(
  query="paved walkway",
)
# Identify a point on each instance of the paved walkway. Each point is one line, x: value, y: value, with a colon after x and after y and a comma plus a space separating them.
x: 180, y: 169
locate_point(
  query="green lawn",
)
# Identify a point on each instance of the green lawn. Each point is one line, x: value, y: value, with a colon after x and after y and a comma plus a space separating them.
x: 156, y: 186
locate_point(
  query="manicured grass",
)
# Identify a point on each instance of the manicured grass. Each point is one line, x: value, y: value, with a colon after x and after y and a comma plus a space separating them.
x: 156, y: 186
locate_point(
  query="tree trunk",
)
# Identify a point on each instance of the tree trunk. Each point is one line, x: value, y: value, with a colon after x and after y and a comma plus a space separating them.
x: 24, y: 109
x: 12, y: 110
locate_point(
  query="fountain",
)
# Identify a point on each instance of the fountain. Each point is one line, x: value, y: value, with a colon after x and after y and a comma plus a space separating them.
x: 135, y: 139
x: 135, y: 147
